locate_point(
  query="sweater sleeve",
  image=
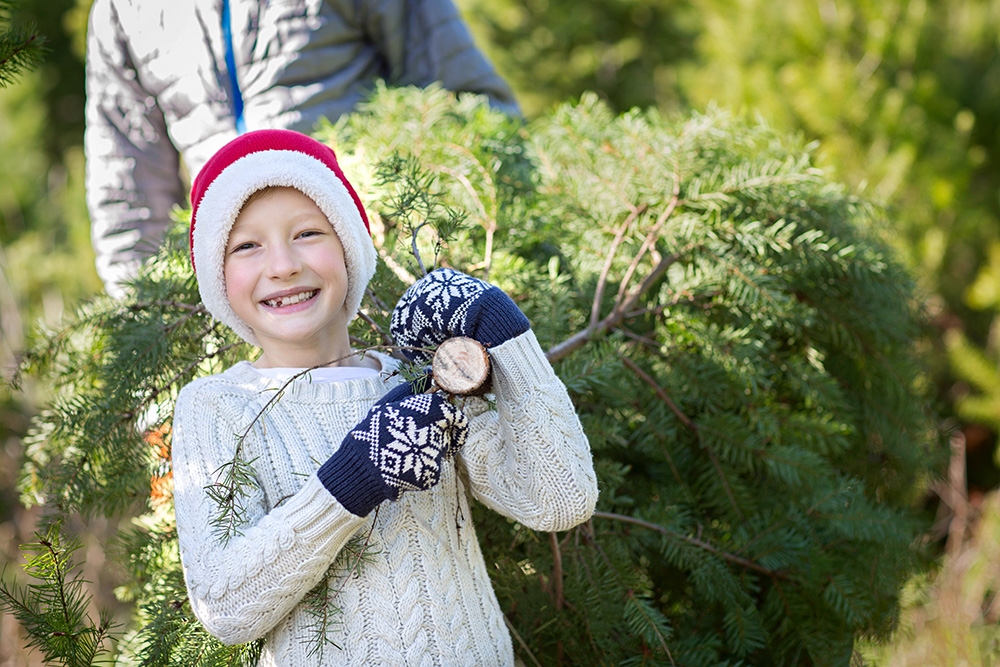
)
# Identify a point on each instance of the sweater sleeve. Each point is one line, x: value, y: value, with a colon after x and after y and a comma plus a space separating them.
x: 133, y: 175
x: 241, y: 588
x: 427, y: 41
x: 529, y: 459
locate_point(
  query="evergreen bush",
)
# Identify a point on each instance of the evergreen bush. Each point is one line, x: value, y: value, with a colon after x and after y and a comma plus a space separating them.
x: 736, y: 335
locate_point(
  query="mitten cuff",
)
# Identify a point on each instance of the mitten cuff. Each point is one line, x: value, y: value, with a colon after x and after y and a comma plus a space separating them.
x: 495, y: 318
x: 351, y: 478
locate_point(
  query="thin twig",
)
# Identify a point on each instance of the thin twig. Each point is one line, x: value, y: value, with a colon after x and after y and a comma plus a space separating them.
x: 177, y: 324
x: 398, y: 269
x: 646, y: 245
x: 23, y: 50
x: 489, y: 218
x: 607, y: 561
x: 467, y: 184
x: 232, y: 485
x: 491, y: 229
x: 557, y: 571
x: 670, y: 459
x: 361, y: 552
x: 651, y: 344
x: 615, y: 317
x: 671, y: 207
x: 413, y: 246
x: 725, y: 482
x: 367, y: 319
x: 278, y: 394
x: 180, y: 305
x: 701, y: 544
x: 520, y: 640
x: 663, y: 396
x: 176, y: 376
x: 59, y: 577
x: 595, y: 309
x: 660, y: 393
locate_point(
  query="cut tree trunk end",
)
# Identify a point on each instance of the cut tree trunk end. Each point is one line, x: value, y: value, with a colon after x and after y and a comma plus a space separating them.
x: 461, y: 366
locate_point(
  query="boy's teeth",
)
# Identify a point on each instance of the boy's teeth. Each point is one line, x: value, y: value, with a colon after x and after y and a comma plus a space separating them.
x: 290, y: 300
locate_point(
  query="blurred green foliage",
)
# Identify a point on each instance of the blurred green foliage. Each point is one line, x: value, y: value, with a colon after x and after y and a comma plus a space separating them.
x: 553, y: 50
x: 952, y: 616
x: 46, y: 263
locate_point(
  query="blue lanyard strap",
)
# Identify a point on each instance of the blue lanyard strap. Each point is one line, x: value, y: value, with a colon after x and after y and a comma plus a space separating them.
x: 227, y: 32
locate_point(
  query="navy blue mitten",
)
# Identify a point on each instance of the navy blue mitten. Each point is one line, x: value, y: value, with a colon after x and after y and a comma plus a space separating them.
x: 399, y: 446
x: 447, y: 303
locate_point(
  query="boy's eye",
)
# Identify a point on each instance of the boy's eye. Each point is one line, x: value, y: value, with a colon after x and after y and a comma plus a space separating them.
x: 310, y: 232
x: 242, y: 246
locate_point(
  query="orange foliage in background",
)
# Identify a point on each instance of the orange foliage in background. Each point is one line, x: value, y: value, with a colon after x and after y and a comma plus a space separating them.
x: 161, y: 486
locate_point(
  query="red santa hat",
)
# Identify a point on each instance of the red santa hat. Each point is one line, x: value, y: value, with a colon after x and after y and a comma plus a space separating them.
x: 272, y: 158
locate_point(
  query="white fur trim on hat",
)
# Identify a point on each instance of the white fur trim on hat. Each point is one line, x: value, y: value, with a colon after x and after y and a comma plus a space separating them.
x: 224, y: 198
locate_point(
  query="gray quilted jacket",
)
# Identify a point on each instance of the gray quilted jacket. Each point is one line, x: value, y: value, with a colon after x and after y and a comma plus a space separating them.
x: 160, y: 101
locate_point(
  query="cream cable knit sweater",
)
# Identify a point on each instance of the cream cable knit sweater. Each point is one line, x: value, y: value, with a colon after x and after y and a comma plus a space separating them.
x: 425, y: 598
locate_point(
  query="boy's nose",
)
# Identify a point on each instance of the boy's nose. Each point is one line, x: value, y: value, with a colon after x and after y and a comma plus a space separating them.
x: 283, y: 262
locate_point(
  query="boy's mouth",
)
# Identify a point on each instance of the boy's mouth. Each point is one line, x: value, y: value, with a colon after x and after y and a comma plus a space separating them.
x: 290, y: 300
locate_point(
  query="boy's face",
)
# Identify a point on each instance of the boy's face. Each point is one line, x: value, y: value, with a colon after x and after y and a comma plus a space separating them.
x: 286, y: 278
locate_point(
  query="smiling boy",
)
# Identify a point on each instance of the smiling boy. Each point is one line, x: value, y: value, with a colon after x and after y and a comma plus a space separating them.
x: 286, y: 278
x: 282, y: 252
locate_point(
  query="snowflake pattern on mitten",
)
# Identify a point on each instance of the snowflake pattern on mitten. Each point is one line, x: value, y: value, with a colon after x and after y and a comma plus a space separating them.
x: 447, y: 303
x: 429, y: 311
x: 408, y: 439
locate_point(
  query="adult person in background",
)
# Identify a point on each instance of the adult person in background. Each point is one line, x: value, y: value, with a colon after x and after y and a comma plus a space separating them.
x: 171, y: 81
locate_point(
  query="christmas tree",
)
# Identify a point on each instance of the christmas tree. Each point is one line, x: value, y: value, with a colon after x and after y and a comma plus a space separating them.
x: 735, y: 333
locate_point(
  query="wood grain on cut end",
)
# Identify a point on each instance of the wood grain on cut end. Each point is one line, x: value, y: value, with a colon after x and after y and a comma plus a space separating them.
x: 462, y: 366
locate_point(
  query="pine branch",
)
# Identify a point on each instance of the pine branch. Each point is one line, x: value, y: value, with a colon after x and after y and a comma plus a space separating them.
x: 363, y: 551
x: 520, y: 641
x: 415, y: 203
x: 21, y: 48
x: 649, y: 621
x: 777, y: 443
x: 176, y: 377
x: 415, y: 231
x: 701, y: 544
x: 383, y: 335
x: 80, y: 468
x: 487, y: 182
x: 52, y: 608
x: 173, y: 636
x: 321, y: 602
